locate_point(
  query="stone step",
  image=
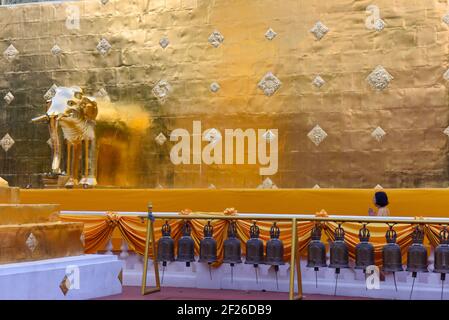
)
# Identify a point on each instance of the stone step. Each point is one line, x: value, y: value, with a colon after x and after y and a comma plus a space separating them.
x: 28, y: 213
x: 9, y: 195
x: 37, y: 241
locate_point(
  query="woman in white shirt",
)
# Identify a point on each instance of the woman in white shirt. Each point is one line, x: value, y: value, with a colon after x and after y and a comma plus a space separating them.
x: 380, y: 200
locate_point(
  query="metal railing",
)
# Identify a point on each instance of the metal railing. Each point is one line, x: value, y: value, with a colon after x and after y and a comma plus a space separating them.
x: 294, y: 218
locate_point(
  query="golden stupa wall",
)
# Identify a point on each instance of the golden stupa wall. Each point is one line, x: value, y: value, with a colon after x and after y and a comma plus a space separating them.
x: 412, y: 108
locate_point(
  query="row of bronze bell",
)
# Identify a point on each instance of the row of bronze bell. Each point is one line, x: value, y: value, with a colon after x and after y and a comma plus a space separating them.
x: 232, y: 246
x: 391, y: 252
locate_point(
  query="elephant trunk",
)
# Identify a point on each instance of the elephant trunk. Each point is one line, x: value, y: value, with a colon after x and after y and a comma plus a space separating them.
x: 56, y: 144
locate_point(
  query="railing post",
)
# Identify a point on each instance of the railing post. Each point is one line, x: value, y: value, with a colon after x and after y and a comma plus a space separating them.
x: 109, y: 247
x: 293, y: 260
x: 124, y: 249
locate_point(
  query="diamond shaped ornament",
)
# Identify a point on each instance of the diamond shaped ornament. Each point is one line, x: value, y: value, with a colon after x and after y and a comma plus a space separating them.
x: 379, y: 78
x: 317, y: 135
x: 214, y: 87
x: 10, y: 53
x: 9, y: 97
x: 378, y: 187
x: 212, y: 135
x: 319, y: 30
x: 216, y: 38
x: 267, y: 184
x: 51, y: 92
x: 318, y: 82
x: 378, y: 134
x: 316, y: 187
x: 164, y: 42
x: 446, y: 131
x: 56, y: 50
x: 65, y: 285
x: 7, y: 142
x: 161, y: 90
x: 160, y: 139
x: 269, y: 84
x: 269, y: 136
x: 103, y: 47
x: 379, y: 25
x: 446, y: 19
x: 270, y: 34
x: 31, y: 242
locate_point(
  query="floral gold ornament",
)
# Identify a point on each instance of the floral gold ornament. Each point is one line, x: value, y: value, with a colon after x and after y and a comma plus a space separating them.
x: 378, y: 134
x: 185, y: 212
x: 10, y: 53
x: 319, y: 30
x: 7, y: 142
x: 317, y: 135
x: 269, y: 84
x: 321, y: 213
x: 112, y: 218
x: 230, y: 211
x: 103, y: 47
x: 379, y: 78
x: 216, y: 38
x: 9, y: 97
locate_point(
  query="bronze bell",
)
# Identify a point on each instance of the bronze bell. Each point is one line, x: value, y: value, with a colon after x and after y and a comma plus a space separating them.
x: 254, y: 247
x: 232, y: 248
x: 166, y: 246
x: 208, y: 246
x: 364, y: 251
x: 441, y: 264
x: 391, y: 253
x: 339, y: 257
x: 274, y: 248
x: 417, y: 253
x: 316, y: 252
x: 186, y: 246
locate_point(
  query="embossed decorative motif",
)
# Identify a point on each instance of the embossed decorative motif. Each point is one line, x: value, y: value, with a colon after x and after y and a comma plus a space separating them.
x: 378, y: 187
x: 56, y: 50
x: 379, y: 78
x: 50, y: 92
x: 378, y: 134
x: 446, y: 19
x: 103, y: 47
x: 10, y: 53
x: 268, y: 136
x: 164, y: 42
x: 160, y: 139
x: 7, y: 142
x: 65, y: 285
x: 161, y: 90
x: 319, y: 30
x: 8, y: 97
x: 214, y: 87
x: 31, y: 242
x: 267, y: 184
x: 318, y: 82
x: 269, y: 84
x: 216, y: 39
x: 446, y: 131
x: 212, y: 135
x: 317, y: 135
x: 270, y: 34
x: 379, y: 25
x: 316, y: 187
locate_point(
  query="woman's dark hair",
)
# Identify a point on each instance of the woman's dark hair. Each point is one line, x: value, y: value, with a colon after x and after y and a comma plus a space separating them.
x: 381, y: 199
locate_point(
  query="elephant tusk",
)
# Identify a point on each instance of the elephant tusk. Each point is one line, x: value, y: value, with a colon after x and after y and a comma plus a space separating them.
x: 40, y: 118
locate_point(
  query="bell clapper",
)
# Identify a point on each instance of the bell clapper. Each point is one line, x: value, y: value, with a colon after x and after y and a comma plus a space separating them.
x: 232, y: 273
x: 316, y: 276
x: 337, y: 272
x: 257, y: 276
x: 164, y: 265
x: 394, y: 278
x: 210, y: 271
x: 276, y: 269
x: 443, y: 277
x: 413, y: 284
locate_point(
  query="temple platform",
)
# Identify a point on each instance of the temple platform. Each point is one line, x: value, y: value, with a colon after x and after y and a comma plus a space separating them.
x: 69, y: 278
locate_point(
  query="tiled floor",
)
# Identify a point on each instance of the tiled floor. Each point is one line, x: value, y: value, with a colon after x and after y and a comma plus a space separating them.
x: 169, y: 293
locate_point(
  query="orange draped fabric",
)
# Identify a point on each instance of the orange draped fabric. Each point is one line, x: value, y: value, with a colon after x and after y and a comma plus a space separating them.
x: 98, y: 231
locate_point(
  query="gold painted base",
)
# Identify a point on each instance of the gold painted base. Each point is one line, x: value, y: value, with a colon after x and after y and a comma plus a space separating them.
x: 28, y: 213
x: 30, y: 242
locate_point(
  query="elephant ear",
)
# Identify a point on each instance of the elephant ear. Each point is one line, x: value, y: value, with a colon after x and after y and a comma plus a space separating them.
x: 89, y: 108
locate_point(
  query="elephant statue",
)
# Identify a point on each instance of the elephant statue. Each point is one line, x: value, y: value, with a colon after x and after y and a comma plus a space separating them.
x: 76, y: 114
